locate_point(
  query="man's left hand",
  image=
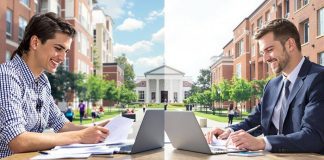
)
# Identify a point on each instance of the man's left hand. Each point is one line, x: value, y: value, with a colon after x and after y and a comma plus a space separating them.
x: 244, y: 140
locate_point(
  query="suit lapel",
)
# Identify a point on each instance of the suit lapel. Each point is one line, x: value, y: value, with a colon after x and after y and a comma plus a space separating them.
x: 298, y: 84
x: 275, y: 95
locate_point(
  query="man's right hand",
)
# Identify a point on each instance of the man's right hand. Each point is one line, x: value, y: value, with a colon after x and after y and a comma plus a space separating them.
x: 94, y: 134
x: 219, y: 133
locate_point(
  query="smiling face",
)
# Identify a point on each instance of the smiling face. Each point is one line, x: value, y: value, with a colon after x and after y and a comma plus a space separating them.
x: 52, y: 53
x: 274, y: 53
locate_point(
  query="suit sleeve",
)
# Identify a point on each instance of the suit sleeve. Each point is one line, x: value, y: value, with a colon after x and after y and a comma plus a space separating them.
x: 310, y: 137
x: 252, y: 120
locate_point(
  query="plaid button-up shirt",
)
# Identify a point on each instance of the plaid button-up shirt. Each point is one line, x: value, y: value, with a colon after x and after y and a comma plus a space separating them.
x: 20, y: 92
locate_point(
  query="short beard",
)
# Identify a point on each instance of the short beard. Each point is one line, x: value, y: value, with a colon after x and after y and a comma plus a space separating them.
x: 283, y: 62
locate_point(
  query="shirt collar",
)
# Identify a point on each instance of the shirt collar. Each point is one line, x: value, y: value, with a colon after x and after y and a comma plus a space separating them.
x: 27, y: 74
x: 293, y: 75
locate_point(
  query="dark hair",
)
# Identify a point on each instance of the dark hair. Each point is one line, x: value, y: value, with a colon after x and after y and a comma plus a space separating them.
x: 282, y: 30
x: 44, y: 26
x: 230, y: 107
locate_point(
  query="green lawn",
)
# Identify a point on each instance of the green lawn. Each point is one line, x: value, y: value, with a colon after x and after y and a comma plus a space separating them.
x: 222, y: 117
x: 106, y: 115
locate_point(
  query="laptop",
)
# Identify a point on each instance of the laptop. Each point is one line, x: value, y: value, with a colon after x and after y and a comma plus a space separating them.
x: 150, y: 134
x: 185, y: 133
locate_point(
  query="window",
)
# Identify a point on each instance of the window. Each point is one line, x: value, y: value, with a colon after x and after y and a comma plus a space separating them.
x: 287, y: 9
x: 25, y: 2
x: 300, y: 3
x: 66, y: 64
x: 259, y: 23
x: 321, y: 58
x: 305, y: 31
x: 238, y: 70
x: 252, y: 30
x: 267, y: 16
x: 252, y: 50
x: 175, y: 97
x: 22, y: 26
x: 8, y: 55
x: 9, y: 23
x: 320, y: 22
x: 239, y: 48
x: 141, y: 96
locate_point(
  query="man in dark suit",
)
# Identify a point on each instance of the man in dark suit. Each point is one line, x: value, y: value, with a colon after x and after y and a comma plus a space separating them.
x: 291, y: 111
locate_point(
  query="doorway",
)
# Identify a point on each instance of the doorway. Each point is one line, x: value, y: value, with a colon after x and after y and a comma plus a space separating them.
x: 164, y: 96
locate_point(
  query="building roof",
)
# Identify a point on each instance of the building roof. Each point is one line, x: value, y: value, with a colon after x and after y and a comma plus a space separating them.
x: 164, y: 70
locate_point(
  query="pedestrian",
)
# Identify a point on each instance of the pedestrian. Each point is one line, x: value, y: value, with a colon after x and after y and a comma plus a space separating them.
x: 69, y: 112
x: 165, y: 104
x: 144, y: 107
x: 230, y: 114
x: 82, y: 108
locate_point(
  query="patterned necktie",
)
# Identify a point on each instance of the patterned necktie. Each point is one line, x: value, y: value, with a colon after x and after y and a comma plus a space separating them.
x: 284, y: 106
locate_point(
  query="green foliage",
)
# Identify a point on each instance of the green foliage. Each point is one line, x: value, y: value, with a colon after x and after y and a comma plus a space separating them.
x: 112, y: 93
x: 176, y: 104
x: 62, y: 82
x: 203, y: 82
x: 126, y: 96
x: 129, y: 74
x: 93, y: 88
x: 224, y: 89
x: 240, y: 90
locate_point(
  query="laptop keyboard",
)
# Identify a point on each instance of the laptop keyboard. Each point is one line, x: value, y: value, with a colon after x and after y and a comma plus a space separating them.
x: 223, y: 150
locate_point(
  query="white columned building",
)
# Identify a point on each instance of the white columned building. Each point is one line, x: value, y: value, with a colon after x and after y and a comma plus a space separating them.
x: 162, y: 84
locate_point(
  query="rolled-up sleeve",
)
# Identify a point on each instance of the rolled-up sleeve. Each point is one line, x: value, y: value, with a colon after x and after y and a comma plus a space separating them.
x: 56, y: 117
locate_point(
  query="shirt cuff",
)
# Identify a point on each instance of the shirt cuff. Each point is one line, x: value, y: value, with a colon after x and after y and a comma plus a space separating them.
x: 230, y: 129
x: 9, y: 133
x: 268, y: 146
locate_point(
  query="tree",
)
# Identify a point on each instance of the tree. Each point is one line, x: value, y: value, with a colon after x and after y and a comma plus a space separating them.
x: 62, y: 82
x: 224, y: 90
x: 203, y: 80
x: 240, y: 90
x: 129, y: 74
x: 93, y: 88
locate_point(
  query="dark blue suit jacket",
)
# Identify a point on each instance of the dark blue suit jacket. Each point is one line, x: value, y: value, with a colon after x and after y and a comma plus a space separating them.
x: 303, y: 128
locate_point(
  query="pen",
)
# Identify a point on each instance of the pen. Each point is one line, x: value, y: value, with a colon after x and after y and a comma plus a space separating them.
x: 248, y: 131
x: 42, y: 152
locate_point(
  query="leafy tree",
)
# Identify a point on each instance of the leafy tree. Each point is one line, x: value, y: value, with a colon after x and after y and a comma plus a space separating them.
x: 203, y: 80
x: 224, y: 90
x: 129, y: 74
x: 93, y: 88
x: 257, y: 87
x: 111, y: 91
x: 240, y: 90
x: 62, y: 82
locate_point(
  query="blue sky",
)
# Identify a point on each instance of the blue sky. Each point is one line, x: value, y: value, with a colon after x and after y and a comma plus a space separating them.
x: 138, y: 31
x: 195, y: 31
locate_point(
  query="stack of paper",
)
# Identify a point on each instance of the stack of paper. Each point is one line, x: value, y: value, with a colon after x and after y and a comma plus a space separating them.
x: 118, y: 131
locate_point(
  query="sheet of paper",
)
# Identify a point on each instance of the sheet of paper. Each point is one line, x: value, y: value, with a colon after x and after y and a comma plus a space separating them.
x: 78, y: 145
x: 67, y: 155
x: 118, y: 130
x: 90, y: 150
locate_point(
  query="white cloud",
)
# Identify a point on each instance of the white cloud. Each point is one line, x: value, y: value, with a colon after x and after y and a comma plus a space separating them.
x: 150, y: 62
x: 113, y: 8
x: 130, y: 5
x: 158, y: 36
x: 200, y: 30
x: 130, y: 14
x: 141, y: 46
x: 130, y: 24
x: 154, y: 14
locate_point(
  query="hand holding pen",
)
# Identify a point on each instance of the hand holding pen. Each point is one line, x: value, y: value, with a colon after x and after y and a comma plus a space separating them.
x: 237, y: 136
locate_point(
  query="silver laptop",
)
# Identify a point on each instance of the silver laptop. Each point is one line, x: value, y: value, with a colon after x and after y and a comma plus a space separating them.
x: 150, y: 134
x: 185, y: 133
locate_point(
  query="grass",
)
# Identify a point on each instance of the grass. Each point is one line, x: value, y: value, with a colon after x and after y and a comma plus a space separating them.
x: 219, y: 117
x: 106, y: 115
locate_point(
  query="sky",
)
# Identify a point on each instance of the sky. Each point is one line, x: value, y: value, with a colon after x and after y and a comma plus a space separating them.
x: 138, y: 31
x: 183, y: 34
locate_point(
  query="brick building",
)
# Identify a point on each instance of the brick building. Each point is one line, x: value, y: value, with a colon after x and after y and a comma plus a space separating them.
x: 14, y: 16
x: 112, y: 71
x: 307, y: 15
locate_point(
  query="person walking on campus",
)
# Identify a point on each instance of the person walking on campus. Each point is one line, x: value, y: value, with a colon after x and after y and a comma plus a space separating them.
x: 82, y: 109
x: 230, y: 114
